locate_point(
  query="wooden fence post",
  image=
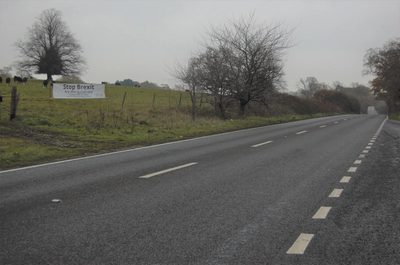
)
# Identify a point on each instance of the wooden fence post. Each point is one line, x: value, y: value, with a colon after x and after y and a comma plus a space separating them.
x: 180, y: 100
x: 1, y: 100
x: 14, y: 102
x: 123, y: 101
x: 154, y: 98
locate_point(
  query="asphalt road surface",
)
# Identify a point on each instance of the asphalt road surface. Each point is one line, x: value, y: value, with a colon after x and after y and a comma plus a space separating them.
x: 320, y: 191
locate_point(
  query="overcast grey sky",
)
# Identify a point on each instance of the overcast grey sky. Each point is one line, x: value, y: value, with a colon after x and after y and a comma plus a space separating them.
x: 141, y: 39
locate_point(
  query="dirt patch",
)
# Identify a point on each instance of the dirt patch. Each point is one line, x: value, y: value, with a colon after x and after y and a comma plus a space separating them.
x: 38, y: 136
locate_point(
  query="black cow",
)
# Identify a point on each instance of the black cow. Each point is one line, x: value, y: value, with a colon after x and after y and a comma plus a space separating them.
x: 117, y: 84
x: 45, y: 82
x: 24, y: 80
x: 1, y: 80
x: 8, y: 81
x: 17, y: 79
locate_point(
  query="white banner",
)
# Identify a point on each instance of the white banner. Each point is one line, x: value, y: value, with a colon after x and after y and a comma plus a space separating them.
x: 61, y: 90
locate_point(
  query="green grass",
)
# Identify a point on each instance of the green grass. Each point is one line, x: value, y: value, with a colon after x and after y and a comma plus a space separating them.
x: 394, y: 116
x: 51, y: 129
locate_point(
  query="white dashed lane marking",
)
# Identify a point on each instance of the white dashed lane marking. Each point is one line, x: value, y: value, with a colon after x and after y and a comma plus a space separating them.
x: 323, y: 126
x: 257, y: 145
x: 335, y: 193
x: 352, y: 169
x: 301, y: 132
x: 368, y: 147
x: 322, y: 212
x: 300, y: 245
x: 357, y: 162
x: 345, y: 179
x: 365, y: 151
x: 167, y: 170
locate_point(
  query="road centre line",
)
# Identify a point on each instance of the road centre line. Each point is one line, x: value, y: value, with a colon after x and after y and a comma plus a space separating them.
x: 301, y: 132
x: 370, y: 144
x: 345, y: 179
x: 357, y: 162
x: 335, y: 193
x: 257, y: 145
x: 368, y: 147
x: 322, y: 212
x: 323, y: 126
x: 300, y: 245
x: 361, y: 156
x: 167, y: 170
x: 336, y: 122
x: 372, y: 141
x: 365, y: 151
x: 352, y: 169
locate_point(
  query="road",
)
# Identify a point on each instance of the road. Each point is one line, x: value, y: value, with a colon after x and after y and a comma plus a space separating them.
x: 246, y: 197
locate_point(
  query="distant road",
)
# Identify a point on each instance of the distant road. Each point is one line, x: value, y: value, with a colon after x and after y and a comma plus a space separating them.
x: 371, y: 110
x: 269, y: 195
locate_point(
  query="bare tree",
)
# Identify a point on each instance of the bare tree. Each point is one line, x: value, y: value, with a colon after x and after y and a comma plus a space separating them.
x: 308, y: 87
x: 337, y: 85
x: 6, y: 71
x: 217, y: 77
x: 50, y: 47
x: 384, y: 64
x: 256, y: 60
x: 190, y: 77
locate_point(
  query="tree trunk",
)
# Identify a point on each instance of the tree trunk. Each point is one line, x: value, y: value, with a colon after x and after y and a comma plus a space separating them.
x: 221, y: 110
x: 194, y: 106
x: 242, y: 107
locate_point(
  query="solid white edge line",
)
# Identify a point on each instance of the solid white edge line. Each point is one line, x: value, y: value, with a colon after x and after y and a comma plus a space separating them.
x: 380, y: 127
x: 300, y: 245
x: 166, y: 171
x: 322, y: 212
x: 257, y: 145
x: 345, y: 179
x: 335, y: 193
x: 301, y: 132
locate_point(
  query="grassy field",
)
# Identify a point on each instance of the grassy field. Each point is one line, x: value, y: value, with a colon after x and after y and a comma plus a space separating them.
x: 49, y: 129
